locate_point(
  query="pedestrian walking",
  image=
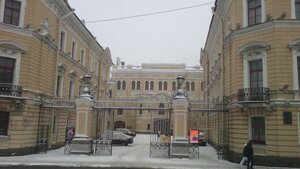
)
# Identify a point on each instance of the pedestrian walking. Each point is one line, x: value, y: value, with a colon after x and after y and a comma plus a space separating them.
x: 244, y: 158
x: 248, y: 152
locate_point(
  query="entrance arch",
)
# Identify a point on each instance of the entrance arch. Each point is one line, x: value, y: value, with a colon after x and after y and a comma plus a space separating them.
x: 119, y: 124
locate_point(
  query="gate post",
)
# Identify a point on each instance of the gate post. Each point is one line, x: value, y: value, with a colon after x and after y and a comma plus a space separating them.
x: 180, y: 145
x: 82, y: 142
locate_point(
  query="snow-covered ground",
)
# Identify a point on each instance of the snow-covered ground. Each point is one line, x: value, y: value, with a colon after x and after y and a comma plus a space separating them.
x: 135, y: 155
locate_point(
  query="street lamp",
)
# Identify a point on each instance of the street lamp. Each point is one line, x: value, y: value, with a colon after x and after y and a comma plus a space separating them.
x: 86, y: 92
x: 180, y: 80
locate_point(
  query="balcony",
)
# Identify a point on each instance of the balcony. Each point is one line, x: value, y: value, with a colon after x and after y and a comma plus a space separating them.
x: 10, y: 90
x: 260, y: 94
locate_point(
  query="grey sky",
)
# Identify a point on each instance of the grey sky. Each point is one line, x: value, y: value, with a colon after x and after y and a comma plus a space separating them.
x: 174, y: 37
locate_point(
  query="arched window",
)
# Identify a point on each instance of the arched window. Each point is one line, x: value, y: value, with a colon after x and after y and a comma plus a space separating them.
x: 138, y: 85
x: 165, y: 85
x: 133, y: 85
x: 151, y: 85
x: 193, y: 86
x: 4, y: 121
x: 146, y: 85
x: 123, y: 85
x: 159, y: 85
x: 187, y: 86
x: 119, y: 85
x: 173, y: 86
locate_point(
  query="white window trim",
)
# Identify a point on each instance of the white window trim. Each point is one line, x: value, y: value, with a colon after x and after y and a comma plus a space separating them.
x: 73, y: 56
x: 299, y: 128
x: 14, y: 54
x: 251, y: 57
x: 60, y: 86
x: 72, y: 87
x: 250, y: 127
x: 64, y: 41
x: 22, y: 11
x: 82, y: 58
x: 295, y: 46
x: 245, y: 12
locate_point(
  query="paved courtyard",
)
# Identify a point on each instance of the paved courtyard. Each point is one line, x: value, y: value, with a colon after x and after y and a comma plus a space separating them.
x: 135, y: 155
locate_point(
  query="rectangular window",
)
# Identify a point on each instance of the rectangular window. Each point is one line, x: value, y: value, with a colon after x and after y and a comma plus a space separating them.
x: 58, y: 86
x: 299, y: 128
x: 73, y: 52
x: 287, y: 118
x: 256, y: 74
x: 7, y: 67
x: 82, y: 57
x: 12, y: 12
x: 4, y: 121
x: 297, y: 9
x: 141, y: 111
x: 254, y: 12
x: 298, y: 69
x: 71, y: 89
x: 258, y: 130
x: 62, y: 40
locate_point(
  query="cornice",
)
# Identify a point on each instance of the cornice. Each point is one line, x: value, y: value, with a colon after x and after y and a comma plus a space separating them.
x: 61, y: 8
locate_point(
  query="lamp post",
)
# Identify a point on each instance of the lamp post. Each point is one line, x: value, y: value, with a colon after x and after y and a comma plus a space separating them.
x: 86, y: 92
x: 180, y: 80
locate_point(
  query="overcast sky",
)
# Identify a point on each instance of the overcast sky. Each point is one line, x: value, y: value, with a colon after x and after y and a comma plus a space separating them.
x: 174, y: 37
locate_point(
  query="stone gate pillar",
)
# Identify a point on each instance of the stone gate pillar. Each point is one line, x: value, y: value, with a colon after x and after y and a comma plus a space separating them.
x: 82, y: 142
x: 180, y: 147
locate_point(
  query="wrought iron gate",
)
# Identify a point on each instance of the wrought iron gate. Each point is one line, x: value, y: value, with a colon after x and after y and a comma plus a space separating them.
x: 104, y: 132
x: 160, y: 133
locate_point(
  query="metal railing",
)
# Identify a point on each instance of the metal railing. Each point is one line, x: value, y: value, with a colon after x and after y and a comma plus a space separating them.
x: 10, y: 90
x: 253, y: 94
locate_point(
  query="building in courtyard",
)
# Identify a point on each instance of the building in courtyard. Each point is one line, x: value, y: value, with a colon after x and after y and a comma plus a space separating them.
x: 45, y: 51
x: 157, y: 81
x: 251, y: 62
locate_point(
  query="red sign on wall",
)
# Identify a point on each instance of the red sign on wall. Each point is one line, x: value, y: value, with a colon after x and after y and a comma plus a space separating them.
x: 194, y: 136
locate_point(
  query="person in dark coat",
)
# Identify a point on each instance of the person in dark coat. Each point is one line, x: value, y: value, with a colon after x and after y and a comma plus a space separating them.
x: 248, y: 152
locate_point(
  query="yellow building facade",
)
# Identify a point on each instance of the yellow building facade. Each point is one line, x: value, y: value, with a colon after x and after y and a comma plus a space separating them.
x: 45, y: 50
x: 251, y: 62
x: 156, y: 82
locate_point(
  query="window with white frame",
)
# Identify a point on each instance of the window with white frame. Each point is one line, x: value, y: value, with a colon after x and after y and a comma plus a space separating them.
x: 133, y: 85
x: 13, y: 12
x: 73, y: 50
x: 147, y: 85
x: 4, y: 123
x: 258, y: 130
x: 165, y: 86
x: 255, y: 64
x: 82, y: 57
x: 160, y: 85
x: 294, y: 45
x: 151, y: 85
x: 7, y: 67
x: 62, y: 41
x: 297, y: 9
x: 138, y: 85
x: 295, y: 6
x: 10, y: 61
x: 253, y: 12
x: 71, y: 88
x: 173, y: 86
x: 59, y: 86
x: 299, y: 128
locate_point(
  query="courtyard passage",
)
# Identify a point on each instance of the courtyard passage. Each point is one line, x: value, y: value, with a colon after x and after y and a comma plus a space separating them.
x: 135, y: 155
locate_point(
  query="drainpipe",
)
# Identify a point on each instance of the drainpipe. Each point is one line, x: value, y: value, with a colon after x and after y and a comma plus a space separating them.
x: 58, y: 48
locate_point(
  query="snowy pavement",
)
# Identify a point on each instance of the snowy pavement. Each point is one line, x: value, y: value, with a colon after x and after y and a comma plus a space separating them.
x: 135, y: 155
